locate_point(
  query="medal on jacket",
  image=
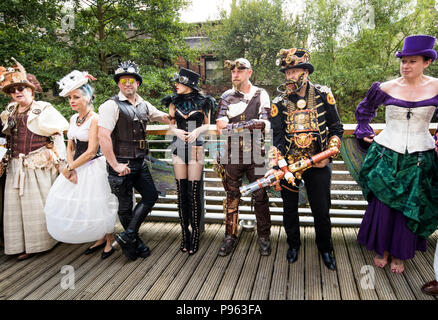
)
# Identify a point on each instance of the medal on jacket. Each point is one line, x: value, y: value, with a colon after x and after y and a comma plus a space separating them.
x: 301, y: 104
x: 11, y: 123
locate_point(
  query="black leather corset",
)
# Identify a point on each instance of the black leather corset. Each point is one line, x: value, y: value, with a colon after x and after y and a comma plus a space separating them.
x: 194, y: 120
x: 81, y: 147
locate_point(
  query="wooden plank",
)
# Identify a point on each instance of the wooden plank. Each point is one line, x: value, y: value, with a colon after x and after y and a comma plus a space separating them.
x: 347, y: 284
x: 329, y: 278
x: 357, y: 262
x: 173, y: 270
x: 312, y: 276
x: 84, y: 266
x: 104, y: 282
x: 18, y: 276
x: 228, y: 283
x: 381, y: 282
x: 296, y: 284
x: 116, y: 281
x: 262, y: 283
x: 213, y: 280
x: 415, y: 281
x: 203, y: 269
x: 182, y: 281
x: 245, y: 281
x: 141, y: 270
x: 117, y: 260
x: 159, y: 265
x: 281, y: 267
x: 47, y: 280
x: 398, y: 282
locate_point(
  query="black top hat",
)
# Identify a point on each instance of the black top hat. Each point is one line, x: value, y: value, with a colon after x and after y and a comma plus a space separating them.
x: 188, y: 78
x: 294, y: 58
x: 127, y: 68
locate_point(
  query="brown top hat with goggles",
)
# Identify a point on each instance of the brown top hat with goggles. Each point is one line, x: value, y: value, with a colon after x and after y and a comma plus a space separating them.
x: 17, y: 76
x: 294, y: 58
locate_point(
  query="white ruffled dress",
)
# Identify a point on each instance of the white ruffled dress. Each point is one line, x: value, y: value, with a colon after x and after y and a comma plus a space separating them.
x: 86, y: 211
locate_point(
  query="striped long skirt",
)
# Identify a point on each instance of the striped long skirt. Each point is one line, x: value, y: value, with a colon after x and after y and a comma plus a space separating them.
x: 25, y: 194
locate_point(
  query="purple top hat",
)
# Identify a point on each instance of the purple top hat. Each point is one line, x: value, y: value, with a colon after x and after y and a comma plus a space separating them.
x: 421, y: 45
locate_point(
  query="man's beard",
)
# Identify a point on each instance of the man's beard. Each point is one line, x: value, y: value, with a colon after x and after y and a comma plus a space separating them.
x: 130, y: 93
x: 237, y: 85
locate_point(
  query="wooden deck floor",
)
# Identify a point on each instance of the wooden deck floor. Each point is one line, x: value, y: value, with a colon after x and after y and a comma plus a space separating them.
x: 168, y: 274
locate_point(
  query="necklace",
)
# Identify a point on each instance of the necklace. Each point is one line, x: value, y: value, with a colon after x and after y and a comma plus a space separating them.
x: 26, y: 109
x: 80, y: 121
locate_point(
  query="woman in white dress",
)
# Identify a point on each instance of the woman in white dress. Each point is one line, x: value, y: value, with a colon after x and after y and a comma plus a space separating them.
x: 80, y: 206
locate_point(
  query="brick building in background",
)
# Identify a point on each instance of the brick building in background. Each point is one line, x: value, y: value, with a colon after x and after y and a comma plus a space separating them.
x: 214, y: 80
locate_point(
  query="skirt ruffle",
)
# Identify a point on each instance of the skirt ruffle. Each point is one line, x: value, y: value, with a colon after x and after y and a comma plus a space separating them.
x: 82, y: 212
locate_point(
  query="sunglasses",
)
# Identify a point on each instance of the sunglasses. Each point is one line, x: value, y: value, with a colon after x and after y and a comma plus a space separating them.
x: 180, y: 79
x: 125, y: 81
x: 14, y: 89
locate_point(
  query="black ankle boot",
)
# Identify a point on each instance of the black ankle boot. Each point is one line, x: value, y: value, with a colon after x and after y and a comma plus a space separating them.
x: 184, y: 212
x: 195, y: 214
x: 128, y: 243
x: 142, y: 250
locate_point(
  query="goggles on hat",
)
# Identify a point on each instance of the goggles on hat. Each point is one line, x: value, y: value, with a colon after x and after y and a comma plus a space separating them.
x: 180, y: 79
x: 292, y: 57
x: 233, y: 64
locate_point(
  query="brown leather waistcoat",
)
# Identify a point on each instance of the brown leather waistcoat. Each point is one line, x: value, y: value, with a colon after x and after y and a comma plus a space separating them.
x: 23, y: 140
x: 129, y: 134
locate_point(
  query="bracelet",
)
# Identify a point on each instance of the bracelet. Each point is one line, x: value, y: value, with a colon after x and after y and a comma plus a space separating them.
x: 68, y: 168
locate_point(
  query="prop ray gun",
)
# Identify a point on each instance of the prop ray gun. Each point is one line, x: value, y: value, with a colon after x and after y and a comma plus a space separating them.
x: 287, y: 172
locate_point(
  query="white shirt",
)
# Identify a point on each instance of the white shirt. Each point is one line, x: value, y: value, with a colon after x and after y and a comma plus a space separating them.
x: 238, y: 108
x: 109, y: 112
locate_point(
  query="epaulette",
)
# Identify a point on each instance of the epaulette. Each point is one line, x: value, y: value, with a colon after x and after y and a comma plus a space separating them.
x: 323, y: 89
x: 277, y: 99
x: 329, y: 95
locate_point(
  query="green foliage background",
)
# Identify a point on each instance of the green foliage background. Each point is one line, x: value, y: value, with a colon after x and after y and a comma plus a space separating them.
x: 348, y: 55
x: 348, y: 52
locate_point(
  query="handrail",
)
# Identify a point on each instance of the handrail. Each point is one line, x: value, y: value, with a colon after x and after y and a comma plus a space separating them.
x: 346, y: 211
x: 163, y: 129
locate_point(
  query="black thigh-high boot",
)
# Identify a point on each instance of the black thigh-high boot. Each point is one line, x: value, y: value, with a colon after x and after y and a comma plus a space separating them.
x: 195, y: 214
x: 182, y: 187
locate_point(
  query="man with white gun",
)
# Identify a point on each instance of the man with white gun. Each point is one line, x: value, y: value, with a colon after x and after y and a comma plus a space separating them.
x: 242, y: 119
x: 305, y: 122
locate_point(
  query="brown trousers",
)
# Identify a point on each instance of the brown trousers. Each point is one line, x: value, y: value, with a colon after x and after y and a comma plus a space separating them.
x: 232, y: 182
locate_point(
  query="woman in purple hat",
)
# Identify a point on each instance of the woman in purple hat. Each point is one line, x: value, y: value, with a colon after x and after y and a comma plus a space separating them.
x: 399, y: 176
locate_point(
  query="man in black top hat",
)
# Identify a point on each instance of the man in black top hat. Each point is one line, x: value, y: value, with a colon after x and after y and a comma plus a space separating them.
x: 305, y: 121
x: 122, y: 137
